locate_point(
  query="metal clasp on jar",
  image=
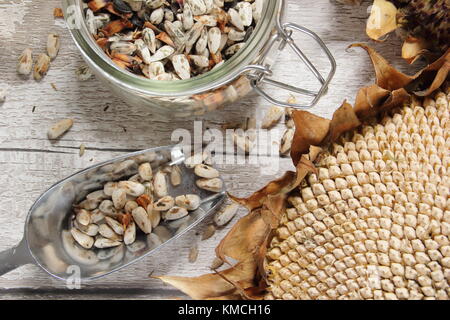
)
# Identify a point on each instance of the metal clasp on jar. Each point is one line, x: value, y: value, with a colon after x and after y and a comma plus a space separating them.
x: 262, y: 73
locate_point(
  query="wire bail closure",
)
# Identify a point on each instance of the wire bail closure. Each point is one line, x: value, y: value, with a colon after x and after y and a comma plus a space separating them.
x: 261, y: 73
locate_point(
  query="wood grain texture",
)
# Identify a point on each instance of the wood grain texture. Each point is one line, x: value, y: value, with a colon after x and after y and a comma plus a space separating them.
x: 30, y: 163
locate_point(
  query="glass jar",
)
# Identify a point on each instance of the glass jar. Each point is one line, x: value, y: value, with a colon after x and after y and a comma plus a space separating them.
x: 244, y: 72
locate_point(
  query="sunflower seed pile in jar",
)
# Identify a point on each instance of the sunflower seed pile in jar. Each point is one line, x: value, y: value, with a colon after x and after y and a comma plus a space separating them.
x: 111, y: 216
x: 171, y: 39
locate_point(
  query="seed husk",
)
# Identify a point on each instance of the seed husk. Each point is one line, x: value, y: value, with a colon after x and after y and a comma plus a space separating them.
x: 132, y: 188
x: 107, y: 232
x: 164, y: 204
x: 193, y: 254
x: 213, y: 185
x: 272, y: 117
x: 115, y: 225
x: 175, y: 213
x: 103, y: 243
x: 130, y: 234
x: 53, y: 45
x: 25, y: 63
x: 41, y: 66
x: 145, y: 171
x: 208, y: 232
x: 189, y: 201
x: 119, y: 198
x: 82, y: 239
x: 83, y: 217
x: 226, y: 215
x: 205, y: 171
x: 59, y: 128
x: 160, y: 184
x: 142, y: 219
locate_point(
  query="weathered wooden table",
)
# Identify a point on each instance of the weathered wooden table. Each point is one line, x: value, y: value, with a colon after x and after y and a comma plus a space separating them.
x: 30, y: 163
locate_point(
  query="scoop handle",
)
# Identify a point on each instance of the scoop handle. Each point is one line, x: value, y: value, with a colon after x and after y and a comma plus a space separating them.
x: 15, y: 257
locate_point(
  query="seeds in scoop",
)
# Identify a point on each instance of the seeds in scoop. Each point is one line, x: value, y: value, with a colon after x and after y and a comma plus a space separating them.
x: 115, y: 225
x: 103, y: 243
x: 176, y: 213
x: 130, y: 234
x: 82, y: 239
x: 41, y: 66
x: 130, y: 206
x: 213, y: 185
x: 25, y: 62
x: 190, y: 201
x: 155, y: 217
x: 119, y: 198
x: 142, y: 219
x: 160, y: 184
x: 205, y: 171
x: 226, y: 215
x: 107, y: 232
x: 145, y: 171
x: 134, y: 189
x: 59, y: 128
x: 164, y: 204
x: 90, y: 230
x: 83, y: 217
x: 175, y: 176
x: 53, y: 45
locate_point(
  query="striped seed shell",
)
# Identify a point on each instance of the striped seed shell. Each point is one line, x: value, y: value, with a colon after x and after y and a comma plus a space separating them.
x: 53, y: 45
x: 115, y: 225
x: 25, y: 63
x: 59, y: 128
x: 181, y: 66
x: 41, y: 66
x: 213, y: 185
x: 82, y: 239
x: 142, y: 219
x: 189, y: 201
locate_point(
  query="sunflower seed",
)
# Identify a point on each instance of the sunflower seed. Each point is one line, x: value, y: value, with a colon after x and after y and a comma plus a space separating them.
x: 213, y: 185
x: 98, y: 195
x: 175, y: 176
x: 148, y: 35
x: 155, y: 217
x: 82, y: 239
x: 83, y: 217
x: 257, y: 8
x: 194, y: 160
x: 193, y: 254
x: 234, y: 49
x: 157, y: 16
x: 109, y: 188
x: 205, y: 171
x: 216, y: 264
x: 134, y: 189
x: 41, y: 66
x: 175, y: 213
x: 115, y: 225
x: 119, y: 198
x: 235, y: 19
x: 107, y: 232
x: 90, y: 230
x: 123, y: 47
x: 190, y: 202
x: 226, y: 215
x: 25, y: 62
x: 154, y: 4
x: 103, y: 243
x: 142, y: 219
x: 181, y: 65
x: 130, y: 206
x: 208, y: 232
x: 160, y: 184
x: 59, y: 128
x: 130, y: 234
x: 272, y: 117
x: 198, y: 7
x: 162, y: 53
x: 53, y: 45
x: 164, y: 204
x: 235, y: 35
x: 245, y: 13
x: 214, y: 39
x: 188, y: 18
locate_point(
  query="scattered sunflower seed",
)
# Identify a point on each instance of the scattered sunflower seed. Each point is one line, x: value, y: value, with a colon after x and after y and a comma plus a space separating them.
x: 193, y: 254
x: 82, y: 150
x: 25, y: 63
x: 208, y: 232
x: 226, y: 215
x: 59, y: 128
x: 53, y: 45
x: 41, y: 66
x: 272, y: 117
x: 83, y: 73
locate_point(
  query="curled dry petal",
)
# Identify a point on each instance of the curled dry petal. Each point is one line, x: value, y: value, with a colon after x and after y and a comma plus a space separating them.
x: 382, y: 20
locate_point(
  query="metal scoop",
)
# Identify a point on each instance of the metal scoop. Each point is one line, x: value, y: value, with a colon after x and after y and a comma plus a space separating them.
x: 48, y: 243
